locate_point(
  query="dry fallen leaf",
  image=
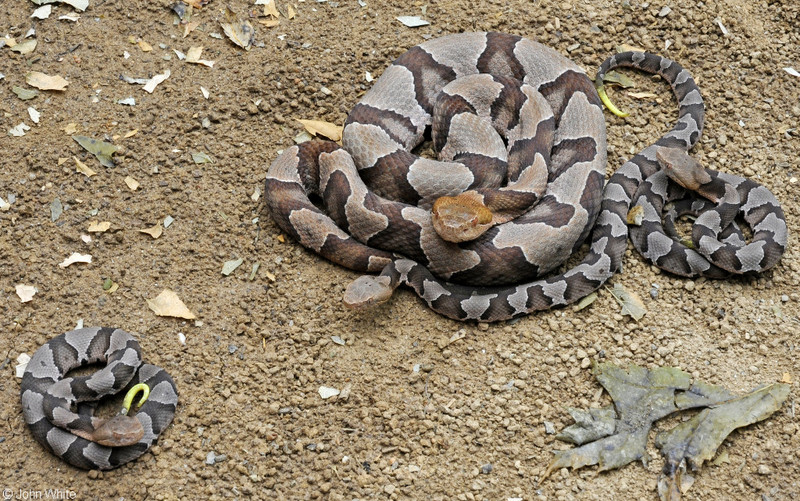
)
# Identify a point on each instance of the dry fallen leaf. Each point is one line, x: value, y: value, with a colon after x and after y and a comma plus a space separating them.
x: 193, y: 56
x: 133, y: 184
x: 83, y: 168
x: 45, y: 82
x: 270, y: 9
x: 151, y: 84
x: 25, y: 292
x: 239, y: 32
x: 99, y: 226
x: 76, y: 257
x: 22, y: 364
x: 25, y: 47
x: 130, y: 134
x: 102, y: 150
x: 154, y: 231
x: 642, y: 95
x: 318, y: 127
x: 167, y: 304
x: 631, y: 303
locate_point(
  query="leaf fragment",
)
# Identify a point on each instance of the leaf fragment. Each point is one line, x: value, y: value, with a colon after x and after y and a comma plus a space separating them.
x: 321, y: 128
x: 168, y: 304
x: 586, y: 301
x: 25, y: 47
x: 56, y: 209
x: 34, y: 114
x: 229, y: 267
x: 98, y: 226
x: 25, y: 292
x: 151, y: 84
x: 201, y: 157
x: 695, y: 441
x: 239, y: 32
x: 83, y: 168
x: 42, y: 12
x: 19, y: 130
x: 153, y: 231
x: 76, y: 257
x: 412, y: 21
x: 102, y: 150
x: 46, y: 82
x: 193, y: 56
x: 23, y: 93
x: 631, y: 303
x: 132, y: 184
x: 642, y: 95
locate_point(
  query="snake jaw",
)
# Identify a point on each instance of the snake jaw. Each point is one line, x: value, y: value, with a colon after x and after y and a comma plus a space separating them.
x: 367, y: 291
x: 119, y: 431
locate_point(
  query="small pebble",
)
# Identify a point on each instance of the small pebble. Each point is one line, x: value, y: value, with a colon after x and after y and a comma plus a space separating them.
x: 549, y: 428
x: 487, y: 468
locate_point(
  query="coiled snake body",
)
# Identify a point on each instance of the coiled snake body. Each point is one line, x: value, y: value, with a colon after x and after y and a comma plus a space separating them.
x: 377, y: 195
x: 78, y: 437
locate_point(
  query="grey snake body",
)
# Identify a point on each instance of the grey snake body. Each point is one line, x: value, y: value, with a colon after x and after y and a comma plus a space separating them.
x: 48, y: 397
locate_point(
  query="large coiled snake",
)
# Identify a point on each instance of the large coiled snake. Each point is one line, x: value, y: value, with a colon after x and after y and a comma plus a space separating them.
x: 548, y: 196
x: 77, y: 436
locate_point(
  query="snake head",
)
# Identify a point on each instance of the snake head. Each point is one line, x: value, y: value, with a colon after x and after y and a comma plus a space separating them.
x: 461, y: 218
x: 367, y: 291
x: 682, y: 168
x: 118, y: 431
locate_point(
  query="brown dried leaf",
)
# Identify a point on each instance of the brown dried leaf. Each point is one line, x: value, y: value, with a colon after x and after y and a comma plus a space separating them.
x: 83, y: 168
x: 45, y: 82
x: 193, y: 56
x: 642, y: 95
x: 239, y: 32
x: 320, y: 128
x: 154, y: 231
x: 270, y: 9
x: 132, y: 184
x: 99, y: 226
x: 167, y: 304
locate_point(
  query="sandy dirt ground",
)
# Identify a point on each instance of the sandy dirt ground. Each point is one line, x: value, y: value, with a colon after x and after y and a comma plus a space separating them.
x: 425, y: 418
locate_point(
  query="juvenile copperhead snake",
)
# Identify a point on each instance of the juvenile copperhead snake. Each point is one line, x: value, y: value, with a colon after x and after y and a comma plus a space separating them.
x: 377, y: 195
x: 79, y: 438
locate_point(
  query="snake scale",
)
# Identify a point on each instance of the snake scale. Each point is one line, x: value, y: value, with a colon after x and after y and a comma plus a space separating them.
x: 377, y: 194
x: 78, y: 437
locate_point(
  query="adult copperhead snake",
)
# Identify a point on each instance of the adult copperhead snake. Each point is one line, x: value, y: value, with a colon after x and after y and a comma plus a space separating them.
x: 79, y: 438
x: 377, y: 195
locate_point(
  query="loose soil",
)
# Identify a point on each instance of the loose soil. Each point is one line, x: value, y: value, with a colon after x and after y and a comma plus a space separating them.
x: 424, y: 416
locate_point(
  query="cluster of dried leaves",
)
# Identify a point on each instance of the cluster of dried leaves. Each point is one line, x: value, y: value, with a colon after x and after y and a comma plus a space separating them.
x: 616, y: 435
